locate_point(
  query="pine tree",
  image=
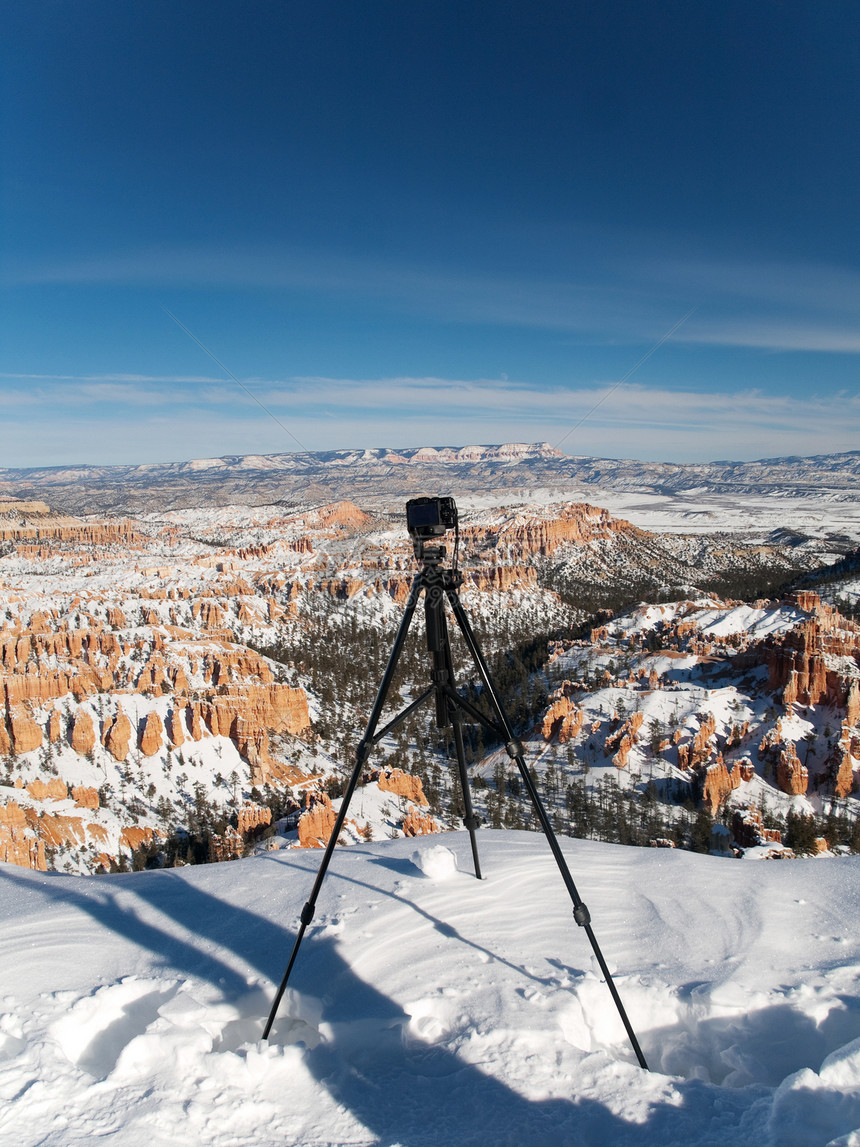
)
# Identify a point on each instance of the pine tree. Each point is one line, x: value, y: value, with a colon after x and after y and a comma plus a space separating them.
x: 700, y: 831
x: 801, y: 834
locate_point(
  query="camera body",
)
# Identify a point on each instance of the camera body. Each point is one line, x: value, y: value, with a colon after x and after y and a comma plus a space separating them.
x: 430, y: 517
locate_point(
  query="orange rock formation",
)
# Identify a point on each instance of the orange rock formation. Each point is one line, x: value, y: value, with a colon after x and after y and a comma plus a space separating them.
x: 623, y: 739
x: 175, y: 727
x: 791, y: 775
x: 55, y: 726
x: 118, y: 737
x: 804, y: 662
x: 527, y: 535
x: 748, y: 830
x: 18, y: 843
x: 402, y: 785
x: 699, y: 750
x: 316, y: 822
x: 417, y: 823
x: 152, y: 737
x: 720, y: 781
x: 52, y: 790
x: 563, y: 719
x: 83, y: 733
x: 85, y: 797
x: 253, y: 816
x: 24, y: 733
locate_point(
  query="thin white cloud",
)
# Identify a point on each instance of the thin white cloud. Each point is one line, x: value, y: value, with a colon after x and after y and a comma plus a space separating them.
x: 130, y: 378
x: 409, y: 396
x: 791, y: 306
x: 786, y: 335
x: 635, y: 421
x: 802, y: 285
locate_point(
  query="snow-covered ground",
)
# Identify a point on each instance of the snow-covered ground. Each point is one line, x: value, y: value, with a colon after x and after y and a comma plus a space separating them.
x: 756, y: 515
x: 427, y: 1008
x: 693, y: 511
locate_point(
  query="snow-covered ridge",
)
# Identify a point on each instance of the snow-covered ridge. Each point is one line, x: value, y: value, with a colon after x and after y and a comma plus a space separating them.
x: 303, y: 461
x: 782, y: 489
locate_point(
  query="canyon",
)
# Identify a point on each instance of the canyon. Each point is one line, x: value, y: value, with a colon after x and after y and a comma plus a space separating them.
x: 201, y: 673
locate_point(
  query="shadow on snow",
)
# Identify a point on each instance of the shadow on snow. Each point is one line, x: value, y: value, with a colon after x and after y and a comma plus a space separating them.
x: 405, y: 1093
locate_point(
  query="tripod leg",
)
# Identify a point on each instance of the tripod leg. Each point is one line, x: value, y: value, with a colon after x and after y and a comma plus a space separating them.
x: 469, y: 820
x: 439, y: 645
x: 361, y: 756
x: 514, y: 749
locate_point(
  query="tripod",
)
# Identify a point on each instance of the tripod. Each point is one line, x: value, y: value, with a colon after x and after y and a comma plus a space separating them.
x: 438, y: 585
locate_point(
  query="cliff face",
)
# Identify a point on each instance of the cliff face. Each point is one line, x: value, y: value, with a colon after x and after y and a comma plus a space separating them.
x: 316, y: 822
x: 748, y: 830
x: 809, y: 663
x: 98, y: 534
x: 338, y: 517
x: 528, y: 536
x: 240, y: 698
x: 19, y: 844
x: 252, y: 816
x: 720, y: 781
x: 843, y: 760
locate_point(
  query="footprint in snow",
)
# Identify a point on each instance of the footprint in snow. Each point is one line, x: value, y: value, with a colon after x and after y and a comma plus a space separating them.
x: 94, y: 1032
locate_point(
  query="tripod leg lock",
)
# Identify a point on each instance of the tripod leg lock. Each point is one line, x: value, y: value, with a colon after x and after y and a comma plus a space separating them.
x: 472, y: 822
x: 514, y: 748
x: 581, y: 915
x: 307, y: 914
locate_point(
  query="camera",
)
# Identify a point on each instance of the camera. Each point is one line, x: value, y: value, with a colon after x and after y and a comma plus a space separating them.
x: 430, y: 517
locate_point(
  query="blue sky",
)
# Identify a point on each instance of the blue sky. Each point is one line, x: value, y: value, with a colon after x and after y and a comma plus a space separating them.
x: 426, y: 222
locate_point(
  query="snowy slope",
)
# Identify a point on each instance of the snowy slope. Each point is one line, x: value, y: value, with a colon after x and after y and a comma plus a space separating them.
x: 430, y: 1009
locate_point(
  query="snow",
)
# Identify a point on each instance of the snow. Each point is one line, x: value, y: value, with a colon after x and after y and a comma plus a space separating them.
x: 436, y: 862
x: 756, y: 623
x: 429, y: 1008
x: 702, y: 512
x: 714, y: 618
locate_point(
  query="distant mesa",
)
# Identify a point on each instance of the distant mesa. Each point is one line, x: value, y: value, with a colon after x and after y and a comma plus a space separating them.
x: 10, y: 505
x: 308, y: 477
x: 206, y: 464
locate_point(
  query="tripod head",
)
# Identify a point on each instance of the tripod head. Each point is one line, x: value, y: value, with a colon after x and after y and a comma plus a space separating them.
x: 429, y: 555
x: 428, y: 520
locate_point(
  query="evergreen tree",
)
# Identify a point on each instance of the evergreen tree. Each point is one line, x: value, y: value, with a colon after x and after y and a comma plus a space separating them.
x: 801, y: 834
x: 700, y: 830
